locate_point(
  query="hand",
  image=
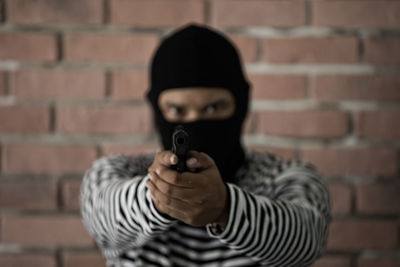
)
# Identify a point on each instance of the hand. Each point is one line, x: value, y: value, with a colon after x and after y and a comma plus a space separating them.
x: 195, y: 198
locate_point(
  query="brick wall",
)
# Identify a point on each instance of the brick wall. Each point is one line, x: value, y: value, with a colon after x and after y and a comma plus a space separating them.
x: 326, y: 89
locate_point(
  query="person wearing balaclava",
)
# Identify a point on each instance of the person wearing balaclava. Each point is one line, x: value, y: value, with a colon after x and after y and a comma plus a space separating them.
x: 229, y: 207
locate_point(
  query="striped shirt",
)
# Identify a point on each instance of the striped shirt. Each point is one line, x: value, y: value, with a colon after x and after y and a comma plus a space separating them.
x: 278, y: 216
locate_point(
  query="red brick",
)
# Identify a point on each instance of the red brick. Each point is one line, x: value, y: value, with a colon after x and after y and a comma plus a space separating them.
x: 2, y: 83
x: 258, y: 13
x: 378, y: 87
x: 58, y: 84
x: 356, y: 13
x: 28, y: 194
x: 28, y: 46
x: 246, y: 46
x: 55, y: 159
x: 382, y: 124
x: 55, y: 12
x: 129, y: 85
x: 353, y: 161
x: 341, y: 198
x: 44, y: 231
x: 378, y: 198
x: 24, y: 119
x: 27, y: 260
x: 82, y: 259
x: 382, y: 50
x: 333, y: 261
x: 303, y: 123
x: 123, y: 48
x: 277, y: 87
x: 311, y: 50
x: 156, y: 13
x: 104, y: 120
x: 70, y: 194
x: 362, y: 234
x: 285, y: 153
x: 378, y: 262
x: 111, y: 149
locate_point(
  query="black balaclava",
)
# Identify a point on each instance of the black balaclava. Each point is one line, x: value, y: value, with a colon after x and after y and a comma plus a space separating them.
x: 196, y: 56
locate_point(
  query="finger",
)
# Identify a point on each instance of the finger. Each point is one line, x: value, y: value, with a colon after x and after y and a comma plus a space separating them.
x: 173, y: 177
x: 197, y: 159
x: 166, y: 158
x: 178, y: 192
x: 166, y: 200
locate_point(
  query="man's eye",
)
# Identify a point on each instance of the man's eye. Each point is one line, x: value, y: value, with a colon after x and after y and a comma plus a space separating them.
x: 210, y: 109
x: 175, y: 111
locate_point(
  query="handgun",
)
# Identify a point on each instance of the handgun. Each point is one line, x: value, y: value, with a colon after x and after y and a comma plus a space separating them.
x: 180, y: 147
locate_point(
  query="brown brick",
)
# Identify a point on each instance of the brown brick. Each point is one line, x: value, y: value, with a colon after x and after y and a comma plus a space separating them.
x: 58, y: 84
x: 27, y: 260
x: 333, y: 261
x: 378, y: 262
x: 341, y: 198
x: 24, y: 119
x: 311, y: 50
x: 70, y: 194
x: 28, y: 194
x: 28, y: 46
x: 304, y: 123
x: 258, y: 13
x: 55, y: 12
x: 82, y: 259
x: 44, y: 231
x: 110, y: 149
x: 129, y: 85
x: 362, y: 234
x: 277, y: 87
x: 2, y: 84
x: 56, y: 159
x: 378, y: 198
x: 122, y: 48
x: 356, y: 13
x: 382, y: 124
x: 156, y: 13
x: 353, y: 161
x: 378, y: 87
x: 104, y: 120
x: 285, y: 153
x: 246, y: 46
x: 382, y: 50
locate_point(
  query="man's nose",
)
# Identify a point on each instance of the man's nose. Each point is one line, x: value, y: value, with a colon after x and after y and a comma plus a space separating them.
x: 192, y: 115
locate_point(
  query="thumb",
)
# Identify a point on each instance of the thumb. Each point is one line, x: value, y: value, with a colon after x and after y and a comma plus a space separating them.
x: 200, y: 160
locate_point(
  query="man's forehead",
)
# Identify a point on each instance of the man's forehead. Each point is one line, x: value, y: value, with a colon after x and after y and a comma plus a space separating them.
x: 195, y: 94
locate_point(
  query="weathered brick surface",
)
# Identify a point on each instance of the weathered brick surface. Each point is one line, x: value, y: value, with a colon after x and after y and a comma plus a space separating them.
x: 24, y: 119
x: 340, y: 198
x: 112, y: 149
x: 59, y: 84
x: 356, y: 13
x: 333, y: 261
x: 258, y: 13
x: 129, y: 85
x: 378, y: 198
x: 362, y: 234
x: 309, y: 123
x: 382, y: 50
x: 277, y: 87
x: 44, y: 231
x: 156, y: 13
x: 381, y: 124
x: 246, y: 46
x: 109, y: 48
x: 378, y: 87
x: 104, y: 120
x: 378, y: 262
x: 28, y: 194
x: 70, y: 190
x: 56, y: 159
x: 82, y: 259
x: 353, y: 161
x: 55, y: 12
x: 2, y: 83
x: 27, y: 260
x: 284, y: 153
x: 310, y: 50
x: 27, y: 46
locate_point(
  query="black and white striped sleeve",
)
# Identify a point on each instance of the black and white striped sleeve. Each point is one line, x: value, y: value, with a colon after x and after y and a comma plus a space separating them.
x: 117, y: 208
x: 287, y: 227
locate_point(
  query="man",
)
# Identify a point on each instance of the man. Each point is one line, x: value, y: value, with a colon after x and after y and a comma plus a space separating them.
x: 232, y: 208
